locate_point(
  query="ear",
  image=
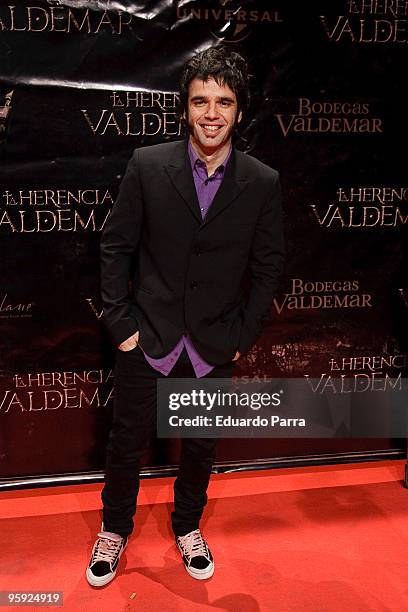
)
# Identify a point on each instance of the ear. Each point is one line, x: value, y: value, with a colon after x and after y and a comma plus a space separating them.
x: 239, y: 116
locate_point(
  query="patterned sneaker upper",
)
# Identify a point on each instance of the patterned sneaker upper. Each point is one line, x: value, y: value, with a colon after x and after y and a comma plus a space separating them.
x: 195, y: 550
x: 106, y: 553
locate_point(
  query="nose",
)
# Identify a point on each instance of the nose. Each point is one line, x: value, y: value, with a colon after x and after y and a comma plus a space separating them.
x: 211, y: 110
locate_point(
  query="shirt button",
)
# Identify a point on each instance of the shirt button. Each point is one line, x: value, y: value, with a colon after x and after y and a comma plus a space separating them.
x: 193, y: 284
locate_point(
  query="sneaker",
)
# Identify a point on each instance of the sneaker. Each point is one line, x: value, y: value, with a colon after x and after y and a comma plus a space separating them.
x: 106, y: 553
x: 196, y: 555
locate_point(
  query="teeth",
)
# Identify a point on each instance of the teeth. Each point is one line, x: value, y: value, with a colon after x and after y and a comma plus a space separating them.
x: 212, y: 128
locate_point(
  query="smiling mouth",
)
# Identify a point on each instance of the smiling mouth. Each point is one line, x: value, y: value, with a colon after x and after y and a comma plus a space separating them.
x: 211, y: 128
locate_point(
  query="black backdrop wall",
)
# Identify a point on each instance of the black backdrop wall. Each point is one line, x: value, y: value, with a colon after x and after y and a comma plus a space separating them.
x: 82, y: 83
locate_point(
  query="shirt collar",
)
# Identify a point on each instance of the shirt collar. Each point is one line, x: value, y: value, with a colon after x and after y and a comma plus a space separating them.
x: 195, y: 160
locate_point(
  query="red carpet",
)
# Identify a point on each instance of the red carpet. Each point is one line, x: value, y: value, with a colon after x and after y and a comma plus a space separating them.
x: 332, y: 538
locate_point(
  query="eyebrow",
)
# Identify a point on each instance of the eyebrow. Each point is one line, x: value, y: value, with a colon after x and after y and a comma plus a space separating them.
x: 221, y: 99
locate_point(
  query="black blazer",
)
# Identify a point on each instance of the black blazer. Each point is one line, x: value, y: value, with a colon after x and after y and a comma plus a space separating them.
x: 187, y: 273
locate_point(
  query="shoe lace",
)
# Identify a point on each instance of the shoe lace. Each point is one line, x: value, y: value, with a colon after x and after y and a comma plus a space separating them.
x: 106, y: 550
x: 194, y: 545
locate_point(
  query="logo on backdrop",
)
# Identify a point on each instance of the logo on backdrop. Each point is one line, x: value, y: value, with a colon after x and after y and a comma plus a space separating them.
x: 97, y: 310
x: 368, y: 207
x: 54, y: 17
x: 5, y: 113
x: 322, y: 295
x: 43, y: 391
x: 228, y: 21
x: 135, y: 113
x: 12, y: 308
x: 360, y: 373
x: 295, y: 358
x: 329, y: 116
x: 54, y: 210
x: 369, y: 22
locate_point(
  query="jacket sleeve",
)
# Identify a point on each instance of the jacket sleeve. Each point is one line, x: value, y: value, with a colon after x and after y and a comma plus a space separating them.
x: 265, y: 266
x: 119, y: 241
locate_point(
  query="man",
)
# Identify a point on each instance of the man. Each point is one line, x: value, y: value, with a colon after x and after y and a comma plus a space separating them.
x: 189, y: 218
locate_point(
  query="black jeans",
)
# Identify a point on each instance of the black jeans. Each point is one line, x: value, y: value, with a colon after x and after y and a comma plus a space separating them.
x: 133, y: 426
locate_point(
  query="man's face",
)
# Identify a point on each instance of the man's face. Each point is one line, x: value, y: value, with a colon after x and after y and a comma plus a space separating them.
x: 212, y: 113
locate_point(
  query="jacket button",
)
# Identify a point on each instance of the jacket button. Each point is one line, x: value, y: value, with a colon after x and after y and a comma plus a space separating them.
x: 193, y: 284
x: 198, y: 253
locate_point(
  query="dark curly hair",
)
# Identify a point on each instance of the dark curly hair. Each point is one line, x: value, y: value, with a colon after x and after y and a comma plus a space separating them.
x: 224, y: 66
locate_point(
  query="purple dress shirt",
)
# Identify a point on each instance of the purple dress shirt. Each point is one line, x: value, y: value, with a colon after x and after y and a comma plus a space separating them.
x: 206, y: 188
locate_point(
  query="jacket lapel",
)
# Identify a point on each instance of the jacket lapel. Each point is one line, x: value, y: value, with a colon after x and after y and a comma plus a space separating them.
x: 179, y: 171
x: 234, y: 182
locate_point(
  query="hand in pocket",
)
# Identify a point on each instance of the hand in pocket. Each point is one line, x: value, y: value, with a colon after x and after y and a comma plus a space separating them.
x: 130, y: 343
